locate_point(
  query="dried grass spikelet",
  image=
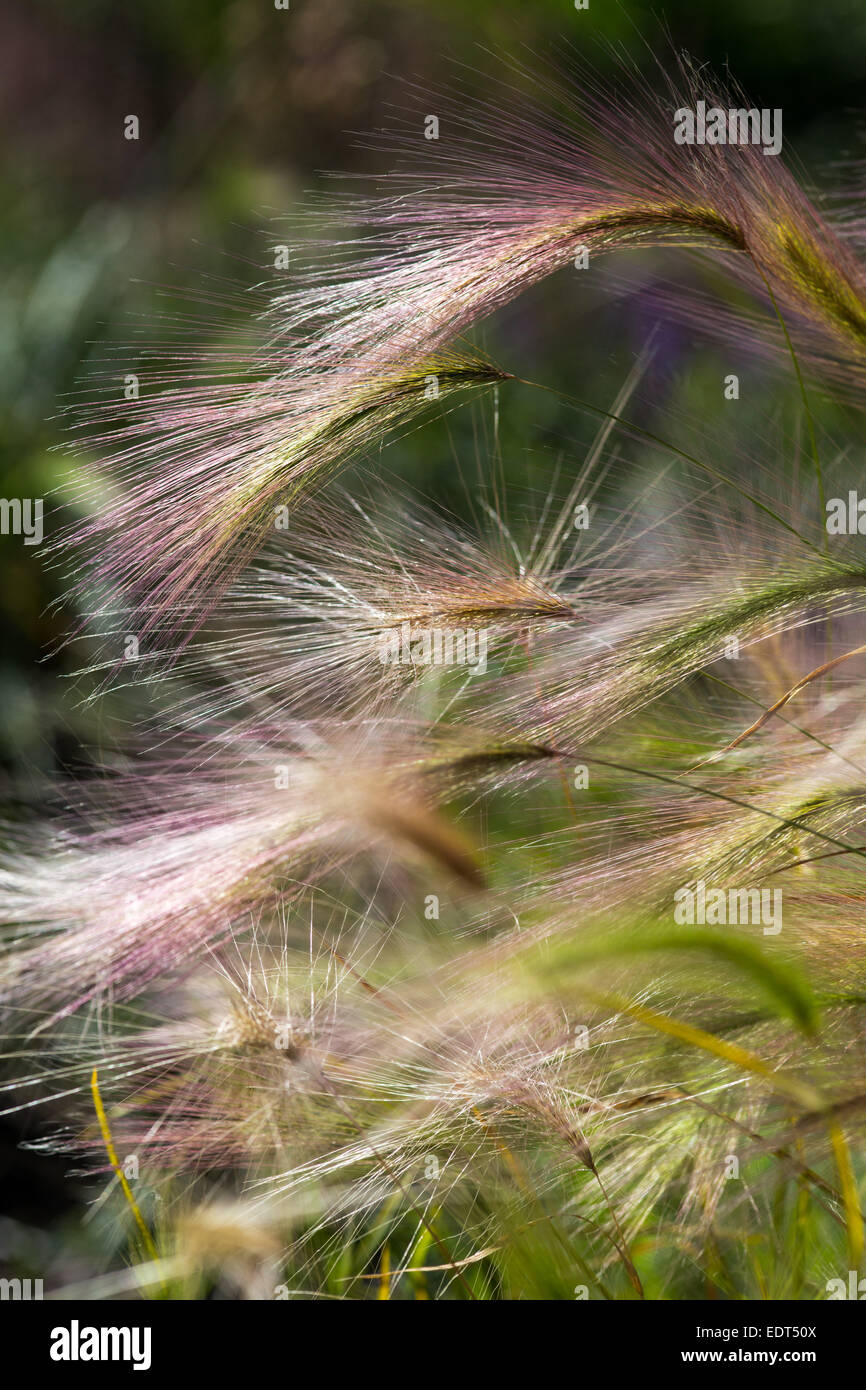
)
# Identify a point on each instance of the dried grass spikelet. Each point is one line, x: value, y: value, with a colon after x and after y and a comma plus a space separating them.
x: 201, y: 475
x: 231, y: 1241
x: 362, y: 330
x: 114, y: 907
x: 221, y: 1232
x: 232, y: 1079
x: 307, y: 624
x: 588, y: 679
x: 577, y: 636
